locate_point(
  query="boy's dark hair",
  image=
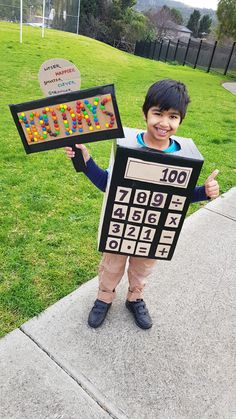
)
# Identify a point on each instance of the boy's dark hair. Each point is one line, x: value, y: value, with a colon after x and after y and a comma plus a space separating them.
x: 167, y: 94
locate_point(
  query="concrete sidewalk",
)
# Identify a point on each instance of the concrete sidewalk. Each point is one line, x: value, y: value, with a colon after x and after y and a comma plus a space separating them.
x: 230, y: 86
x: 55, y: 366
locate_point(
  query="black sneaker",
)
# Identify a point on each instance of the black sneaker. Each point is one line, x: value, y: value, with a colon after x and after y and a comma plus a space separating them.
x: 98, y: 313
x: 140, y: 312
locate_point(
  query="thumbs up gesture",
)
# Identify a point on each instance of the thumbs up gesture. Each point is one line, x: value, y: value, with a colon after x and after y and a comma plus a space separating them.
x: 212, y: 186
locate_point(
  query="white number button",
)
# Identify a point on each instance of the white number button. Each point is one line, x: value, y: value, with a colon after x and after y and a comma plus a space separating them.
x: 113, y: 244
x: 147, y: 234
x: 119, y: 211
x: 123, y: 194
x: 116, y: 229
x: 131, y: 232
x: 136, y: 215
x: 141, y: 197
x: 152, y: 217
x: 158, y: 199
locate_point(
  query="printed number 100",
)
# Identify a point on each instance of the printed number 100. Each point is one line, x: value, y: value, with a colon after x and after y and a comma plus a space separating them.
x: 172, y: 176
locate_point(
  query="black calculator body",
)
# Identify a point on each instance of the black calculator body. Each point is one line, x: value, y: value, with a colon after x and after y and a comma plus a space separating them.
x: 147, y: 198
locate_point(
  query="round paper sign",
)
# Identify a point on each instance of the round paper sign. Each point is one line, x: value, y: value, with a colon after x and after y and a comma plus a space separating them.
x: 57, y: 76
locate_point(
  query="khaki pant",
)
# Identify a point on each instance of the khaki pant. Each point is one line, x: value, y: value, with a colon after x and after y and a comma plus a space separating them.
x: 111, y: 270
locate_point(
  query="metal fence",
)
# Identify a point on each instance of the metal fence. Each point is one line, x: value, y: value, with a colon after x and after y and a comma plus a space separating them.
x: 33, y: 15
x: 211, y: 57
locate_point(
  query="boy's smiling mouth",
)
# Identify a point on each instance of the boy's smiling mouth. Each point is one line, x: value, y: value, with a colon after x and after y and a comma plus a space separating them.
x: 161, y: 131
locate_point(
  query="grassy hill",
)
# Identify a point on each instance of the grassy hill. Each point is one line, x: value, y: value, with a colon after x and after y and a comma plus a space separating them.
x: 49, y: 213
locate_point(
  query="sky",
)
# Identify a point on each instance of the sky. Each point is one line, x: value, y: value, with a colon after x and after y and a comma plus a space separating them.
x: 208, y: 4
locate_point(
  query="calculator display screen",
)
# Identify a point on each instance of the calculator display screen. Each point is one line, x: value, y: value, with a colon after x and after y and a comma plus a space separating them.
x: 157, y: 173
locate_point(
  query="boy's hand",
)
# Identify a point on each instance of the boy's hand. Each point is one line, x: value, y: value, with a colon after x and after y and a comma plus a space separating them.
x: 212, y: 189
x: 70, y: 153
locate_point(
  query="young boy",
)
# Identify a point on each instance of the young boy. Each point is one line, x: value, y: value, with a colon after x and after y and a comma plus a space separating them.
x: 164, y: 109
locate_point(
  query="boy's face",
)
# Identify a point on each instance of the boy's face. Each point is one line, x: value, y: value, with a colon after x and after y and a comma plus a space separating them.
x: 161, y: 125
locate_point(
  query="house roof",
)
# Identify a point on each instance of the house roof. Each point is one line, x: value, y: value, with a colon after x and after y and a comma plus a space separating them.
x: 183, y: 29
x: 175, y: 27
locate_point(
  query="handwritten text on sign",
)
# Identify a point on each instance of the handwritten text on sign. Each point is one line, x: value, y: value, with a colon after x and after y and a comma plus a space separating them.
x: 58, y: 76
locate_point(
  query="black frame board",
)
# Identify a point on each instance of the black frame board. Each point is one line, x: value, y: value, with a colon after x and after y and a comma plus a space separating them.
x: 81, y: 138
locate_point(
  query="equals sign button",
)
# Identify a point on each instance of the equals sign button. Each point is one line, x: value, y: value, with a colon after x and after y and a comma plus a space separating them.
x: 143, y: 249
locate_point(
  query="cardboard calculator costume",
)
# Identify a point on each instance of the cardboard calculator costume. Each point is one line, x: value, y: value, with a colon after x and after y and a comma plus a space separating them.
x: 147, y: 198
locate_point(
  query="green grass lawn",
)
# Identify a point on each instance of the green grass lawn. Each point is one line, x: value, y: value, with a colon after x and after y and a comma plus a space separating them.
x: 49, y: 213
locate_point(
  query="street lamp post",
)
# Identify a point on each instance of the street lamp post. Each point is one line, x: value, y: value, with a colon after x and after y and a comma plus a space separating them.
x: 43, y: 18
x: 77, y: 30
x: 21, y: 18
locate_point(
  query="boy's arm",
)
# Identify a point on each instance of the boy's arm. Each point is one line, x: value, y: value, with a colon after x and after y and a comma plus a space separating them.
x: 199, y: 194
x: 97, y: 176
x: 209, y: 190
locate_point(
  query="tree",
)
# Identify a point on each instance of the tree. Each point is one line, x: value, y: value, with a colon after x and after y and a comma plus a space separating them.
x: 125, y: 4
x: 226, y: 14
x: 92, y: 21
x: 204, y: 25
x: 124, y: 23
x: 193, y: 23
x: 176, y: 16
x: 105, y: 20
x: 136, y: 26
x: 160, y: 20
